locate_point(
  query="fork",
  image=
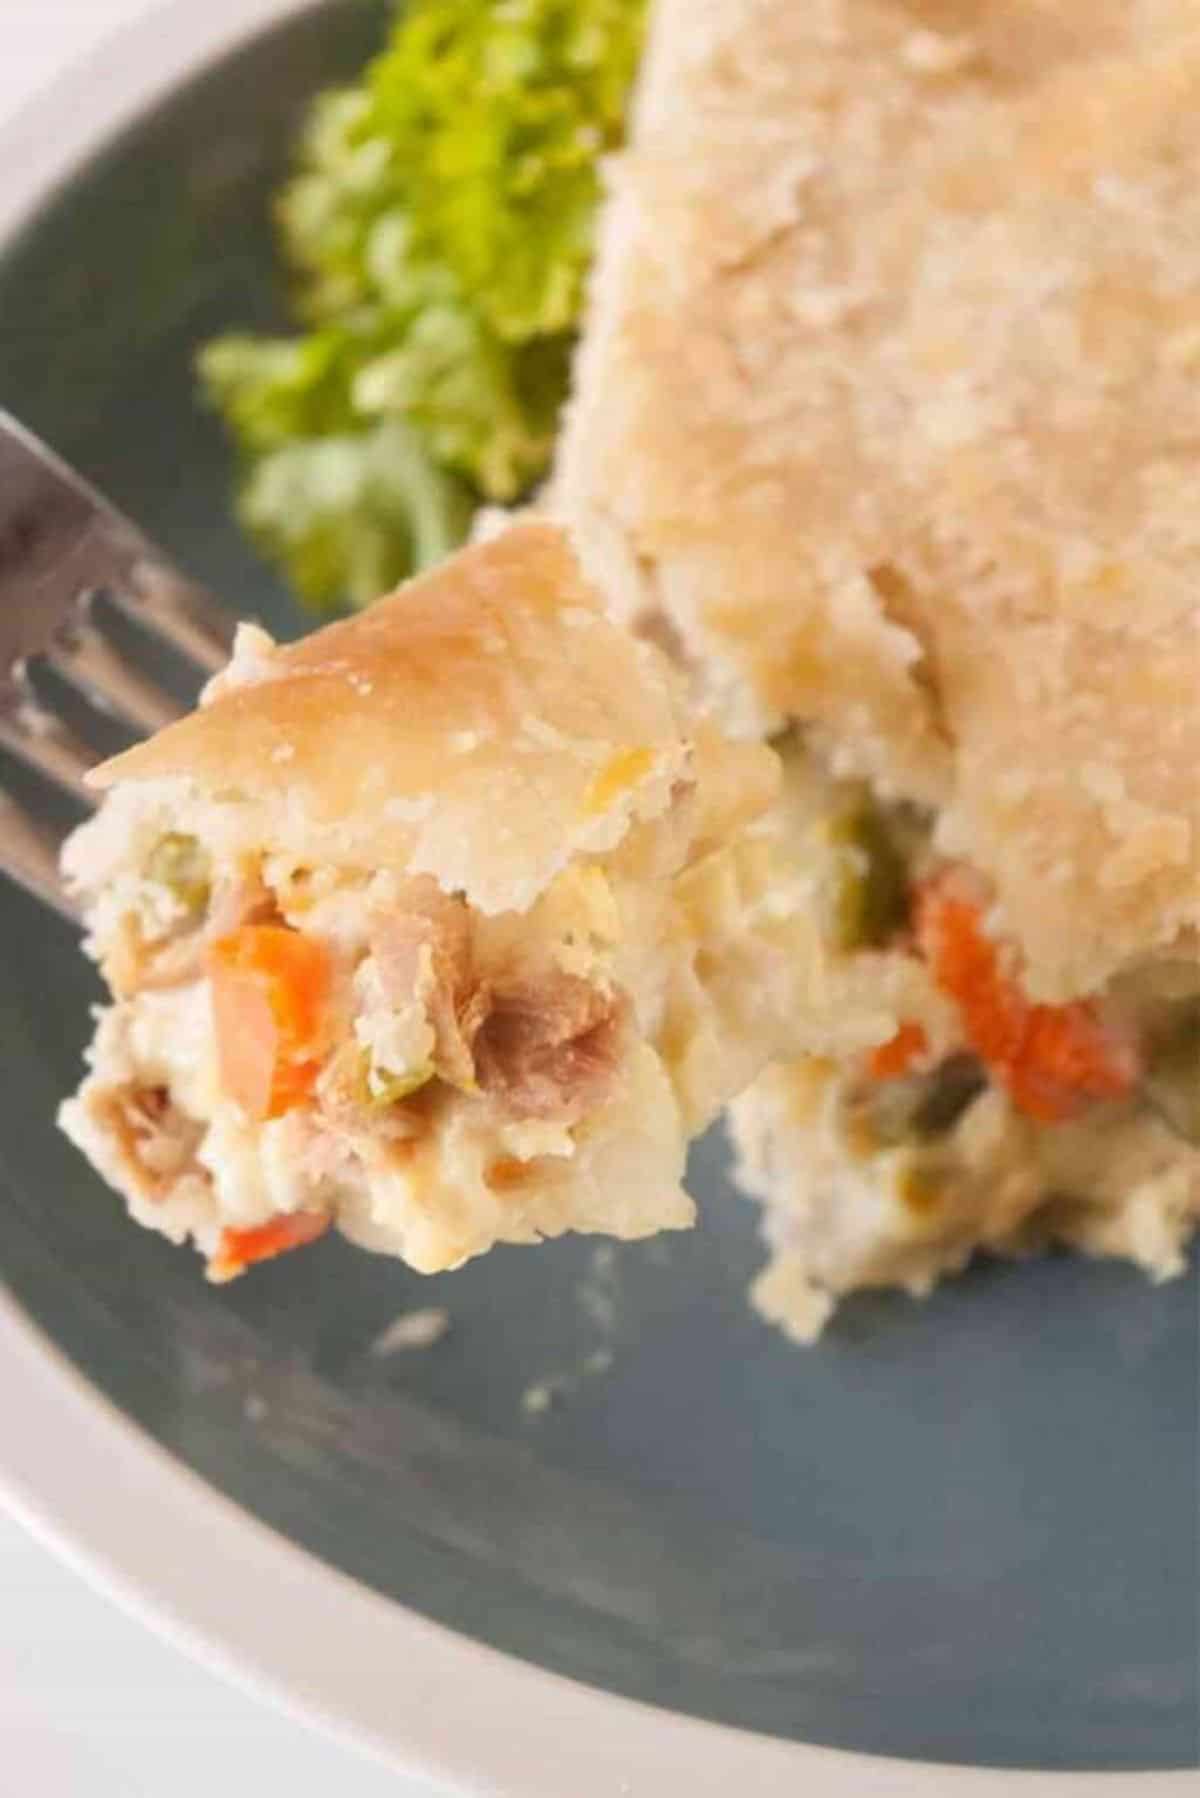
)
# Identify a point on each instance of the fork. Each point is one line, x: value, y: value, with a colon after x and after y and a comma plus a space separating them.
x: 88, y: 605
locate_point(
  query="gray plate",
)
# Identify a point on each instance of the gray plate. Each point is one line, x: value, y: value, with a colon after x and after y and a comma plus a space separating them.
x: 962, y: 1531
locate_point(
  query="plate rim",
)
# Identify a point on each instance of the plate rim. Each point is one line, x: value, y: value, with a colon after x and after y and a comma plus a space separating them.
x: 315, y: 1643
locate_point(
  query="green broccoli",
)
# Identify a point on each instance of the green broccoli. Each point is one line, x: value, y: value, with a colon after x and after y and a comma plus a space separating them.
x: 440, y: 229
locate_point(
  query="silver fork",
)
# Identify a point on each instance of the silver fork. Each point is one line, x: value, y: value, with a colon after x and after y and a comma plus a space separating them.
x: 73, y: 572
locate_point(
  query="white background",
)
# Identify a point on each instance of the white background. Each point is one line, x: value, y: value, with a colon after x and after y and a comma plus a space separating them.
x: 91, y: 1704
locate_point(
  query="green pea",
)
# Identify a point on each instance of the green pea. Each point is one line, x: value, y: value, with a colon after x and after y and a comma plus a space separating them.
x: 178, y: 863
x: 866, y: 893
x: 381, y: 1088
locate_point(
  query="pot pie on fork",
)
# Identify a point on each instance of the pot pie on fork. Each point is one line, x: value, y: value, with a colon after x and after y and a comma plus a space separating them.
x: 437, y: 926
x: 887, y: 423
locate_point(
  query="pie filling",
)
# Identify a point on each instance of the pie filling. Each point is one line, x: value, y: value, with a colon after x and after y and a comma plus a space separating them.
x: 978, y: 1117
x: 279, y: 1032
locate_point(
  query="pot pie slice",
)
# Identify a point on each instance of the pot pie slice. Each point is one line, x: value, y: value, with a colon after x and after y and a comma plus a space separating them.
x: 438, y: 926
x: 886, y: 424
x: 944, y: 1110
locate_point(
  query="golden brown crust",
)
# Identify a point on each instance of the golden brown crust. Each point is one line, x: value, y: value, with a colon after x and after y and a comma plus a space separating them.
x: 483, y: 724
x: 472, y: 1078
x: 890, y: 404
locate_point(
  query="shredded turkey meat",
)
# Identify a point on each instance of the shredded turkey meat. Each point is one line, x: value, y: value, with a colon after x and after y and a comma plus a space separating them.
x: 157, y: 1143
x: 549, y: 1046
x: 133, y: 965
x: 241, y: 898
x: 543, y: 1045
x: 424, y: 956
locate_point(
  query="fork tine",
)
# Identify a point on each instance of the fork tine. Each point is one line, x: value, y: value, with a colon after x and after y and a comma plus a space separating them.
x: 181, y: 615
x: 90, y: 664
x: 77, y: 580
x: 39, y: 740
x: 31, y: 852
x: 61, y: 544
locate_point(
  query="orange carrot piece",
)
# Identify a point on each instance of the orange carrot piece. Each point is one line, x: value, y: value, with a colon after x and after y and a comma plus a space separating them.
x: 1053, y: 1059
x: 1071, y: 1057
x: 900, y: 1054
x: 270, y: 986
x: 240, y: 1249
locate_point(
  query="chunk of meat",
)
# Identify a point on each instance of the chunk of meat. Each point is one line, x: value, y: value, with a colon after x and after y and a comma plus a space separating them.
x: 156, y: 1141
x: 240, y: 1249
x: 423, y: 953
x: 549, y: 1046
x: 238, y: 899
x: 1053, y: 1059
x: 133, y: 965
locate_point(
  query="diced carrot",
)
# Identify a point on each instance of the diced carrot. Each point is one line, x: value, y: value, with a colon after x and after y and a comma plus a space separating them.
x: 1053, y: 1059
x: 966, y: 964
x: 900, y: 1054
x: 270, y: 987
x: 1070, y: 1051
x: 240, y: 1249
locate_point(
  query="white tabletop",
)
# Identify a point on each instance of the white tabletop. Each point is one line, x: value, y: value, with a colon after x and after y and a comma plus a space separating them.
x: 91, y: 1704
